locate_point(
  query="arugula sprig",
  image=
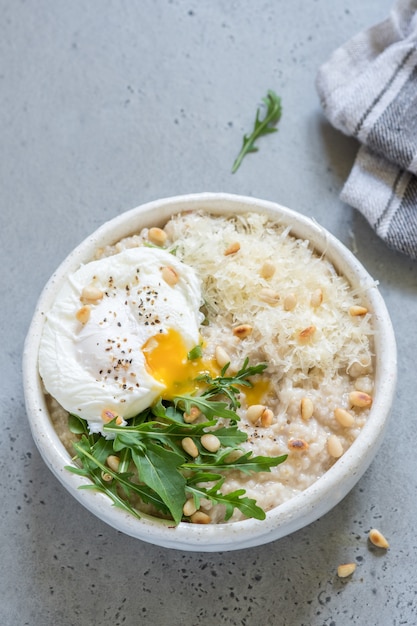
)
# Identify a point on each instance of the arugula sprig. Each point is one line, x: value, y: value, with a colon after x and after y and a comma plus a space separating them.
x: 229, y: 385
x: 261, y: 127
x: 108, y: 481
x: 153, y: 465
x: 246, y: 505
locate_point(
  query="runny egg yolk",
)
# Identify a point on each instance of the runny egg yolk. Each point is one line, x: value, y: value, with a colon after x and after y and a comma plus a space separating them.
x: 256, y: 394
x: 167, y: 361
x: 166, y: 357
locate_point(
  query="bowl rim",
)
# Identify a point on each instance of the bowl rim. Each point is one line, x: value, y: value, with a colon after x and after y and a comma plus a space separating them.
x: 300, y: 510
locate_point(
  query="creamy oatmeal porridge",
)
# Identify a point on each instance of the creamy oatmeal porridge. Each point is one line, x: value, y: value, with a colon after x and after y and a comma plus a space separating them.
x: 268, y: 297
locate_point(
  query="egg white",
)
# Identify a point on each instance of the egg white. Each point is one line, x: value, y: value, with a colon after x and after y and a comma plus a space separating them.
x: 99, y: 366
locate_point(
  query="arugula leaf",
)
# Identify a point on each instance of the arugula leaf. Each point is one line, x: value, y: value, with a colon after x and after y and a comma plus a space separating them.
x: 95, y: 470
x: 77, y: 425
x: 195, y: 353
x: 168, y: 413
x: 169, y: 434
x: 230, y: 436
x: 227, y: 385
x: 246, y: 463
x: 159, y: 469
x: 261, y: 127
x: 232, y: 500
x: 211, y: 409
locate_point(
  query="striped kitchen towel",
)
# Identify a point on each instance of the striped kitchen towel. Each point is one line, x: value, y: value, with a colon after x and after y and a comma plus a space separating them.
x: 368, y: 90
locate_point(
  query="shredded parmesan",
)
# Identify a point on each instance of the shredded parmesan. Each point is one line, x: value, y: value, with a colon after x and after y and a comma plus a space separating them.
x: 232, y: 287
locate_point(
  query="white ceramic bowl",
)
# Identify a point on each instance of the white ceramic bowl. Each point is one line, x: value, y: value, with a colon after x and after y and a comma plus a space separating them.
x: 294, y: 514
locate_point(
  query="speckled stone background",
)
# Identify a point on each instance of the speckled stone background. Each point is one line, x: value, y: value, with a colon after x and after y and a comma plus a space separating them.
x: 106, y: 104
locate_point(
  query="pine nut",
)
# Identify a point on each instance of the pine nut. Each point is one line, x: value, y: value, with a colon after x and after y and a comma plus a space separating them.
x: 378, y: 539
x: 267, y: 269
x: 298, y: 445
x: 254, y: 412
x: 356, y: 310
x: 316, y: 298
x: 210, y: 442
x: 199, y: 517
x: 334, y: 446
x: 360, y: 399
x: 157, y: 236
x: 221, y: 356
x: 83, y: 314
x: 113, y: 462
x: 189, y: 508
x: 107, y: 415
x: 289, y: 302
x: 232, y: 248
x: 306, y: 333
x: 345, y: 570
x: 306, y: 408
x: 267, y: 418
x: 91, y: 295
x: 344, y: 418
x: 269, y: 296
x: 170, y: 276
x: 242, y: 331
x: 190, y: 417
x: 189, y: 447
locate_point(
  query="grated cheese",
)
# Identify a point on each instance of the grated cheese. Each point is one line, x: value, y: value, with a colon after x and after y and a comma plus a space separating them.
x: 233, y: 284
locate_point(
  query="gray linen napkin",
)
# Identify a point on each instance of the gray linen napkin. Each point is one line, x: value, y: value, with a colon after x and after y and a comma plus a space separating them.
x: 368, y: 90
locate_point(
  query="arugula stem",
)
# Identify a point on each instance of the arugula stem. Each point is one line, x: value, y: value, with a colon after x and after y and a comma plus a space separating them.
x: 125, y: 458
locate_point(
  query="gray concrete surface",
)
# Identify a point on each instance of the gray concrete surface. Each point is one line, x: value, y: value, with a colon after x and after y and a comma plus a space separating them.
x: 106, y: 104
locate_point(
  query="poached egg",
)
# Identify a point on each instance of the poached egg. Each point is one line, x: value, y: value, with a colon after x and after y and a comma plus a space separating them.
x: 118, y: 335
